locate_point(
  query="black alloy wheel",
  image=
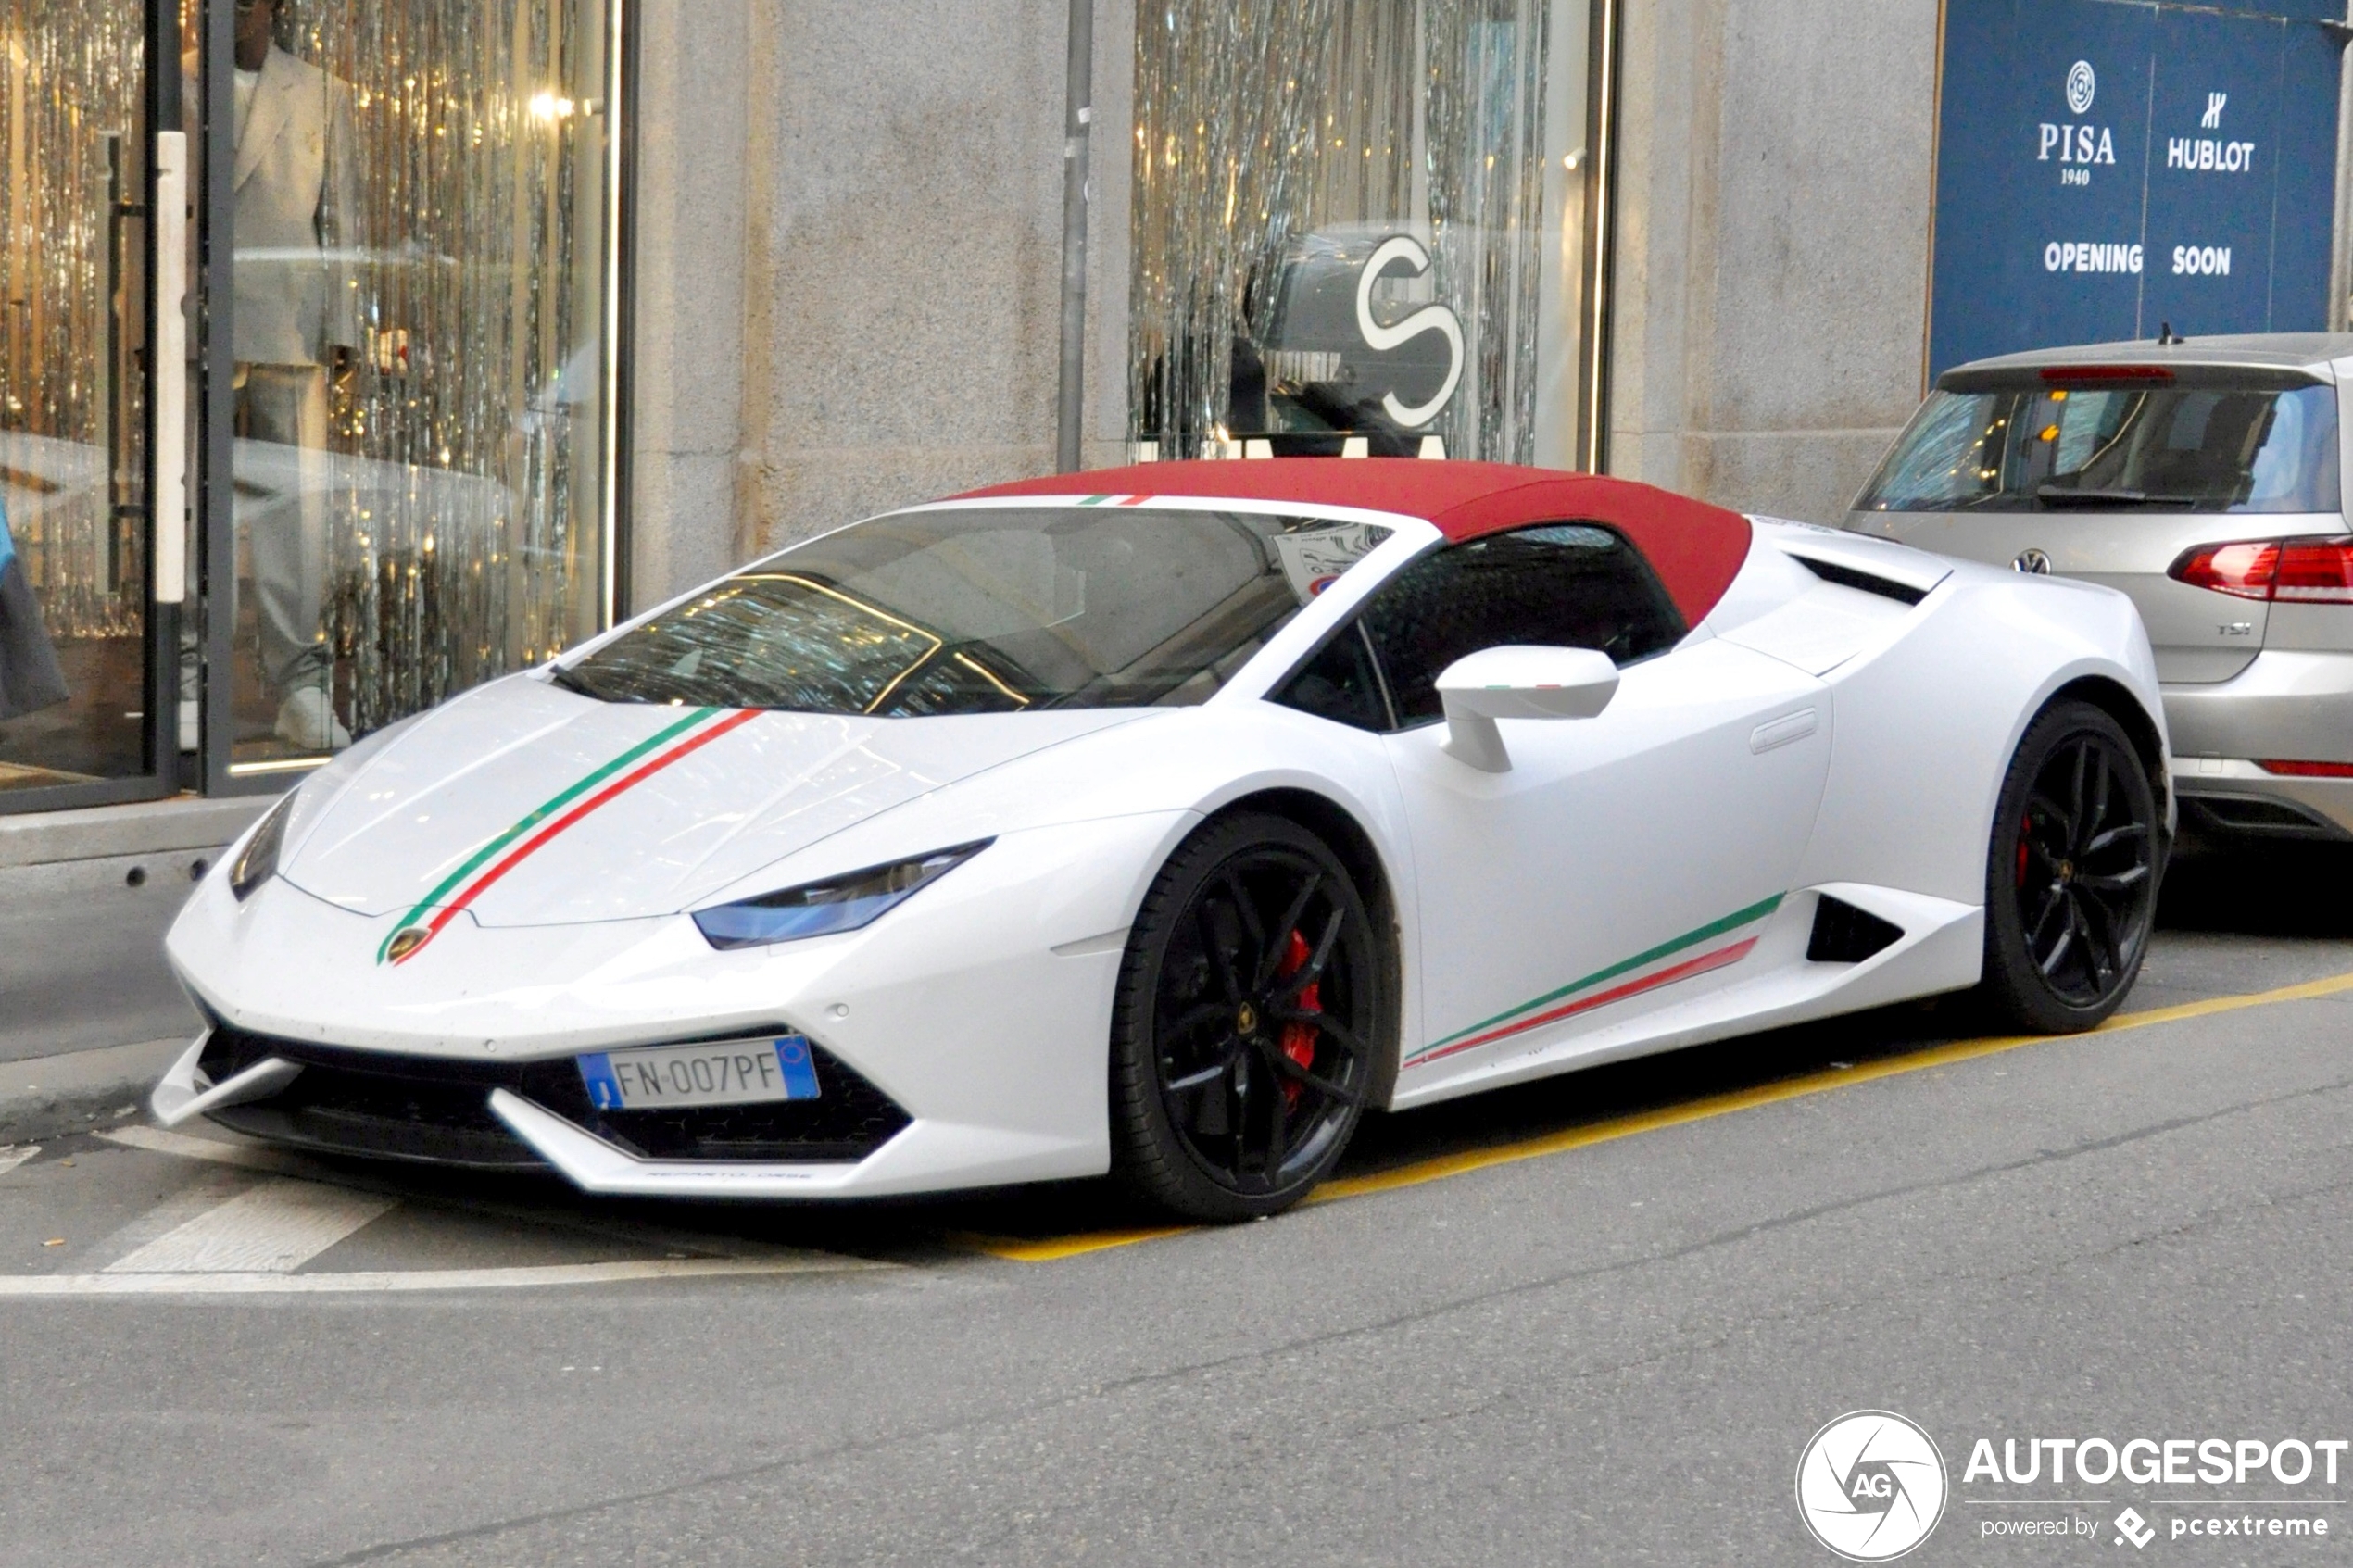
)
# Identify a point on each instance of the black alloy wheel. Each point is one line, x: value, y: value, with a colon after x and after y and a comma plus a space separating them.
x: 1248, y: 1037
x: 2072, y: 879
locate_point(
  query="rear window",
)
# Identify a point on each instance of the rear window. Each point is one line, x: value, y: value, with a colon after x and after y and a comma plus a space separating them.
x: 986, y: 611
x: 2208, y: 448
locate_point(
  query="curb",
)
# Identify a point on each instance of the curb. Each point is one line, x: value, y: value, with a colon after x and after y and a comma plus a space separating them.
x: 49, y: 1096
x: 104, y: 833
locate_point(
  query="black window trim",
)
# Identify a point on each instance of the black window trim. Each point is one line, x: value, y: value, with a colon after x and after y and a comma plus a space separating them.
x: 1352, y: 625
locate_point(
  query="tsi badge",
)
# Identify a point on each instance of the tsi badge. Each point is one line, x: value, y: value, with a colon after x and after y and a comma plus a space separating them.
x: 1870, y: 1486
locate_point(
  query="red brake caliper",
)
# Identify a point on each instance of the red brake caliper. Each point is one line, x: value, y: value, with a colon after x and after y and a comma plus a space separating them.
x: 2025, y: 826
x: 1298, y: 1039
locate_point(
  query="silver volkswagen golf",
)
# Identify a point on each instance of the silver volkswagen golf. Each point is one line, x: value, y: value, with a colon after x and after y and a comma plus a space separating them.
x: 2202, y: 478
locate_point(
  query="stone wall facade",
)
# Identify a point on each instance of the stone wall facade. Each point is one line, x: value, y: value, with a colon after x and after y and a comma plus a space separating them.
x: 848, y: 230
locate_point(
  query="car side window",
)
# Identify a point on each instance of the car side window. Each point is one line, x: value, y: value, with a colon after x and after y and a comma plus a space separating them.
x: 1340, y: 684
x: 1567, y: 584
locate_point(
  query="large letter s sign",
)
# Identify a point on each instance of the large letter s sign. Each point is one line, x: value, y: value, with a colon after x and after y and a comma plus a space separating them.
x: 1428, y: 319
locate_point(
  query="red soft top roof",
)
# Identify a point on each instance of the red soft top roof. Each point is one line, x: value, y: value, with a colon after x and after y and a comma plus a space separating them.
x: 1696, y: 548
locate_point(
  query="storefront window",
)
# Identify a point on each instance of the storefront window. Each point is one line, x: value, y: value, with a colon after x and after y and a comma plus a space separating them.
x: 1358, y: 218
x: 418, y: 292
x: 72, y: 403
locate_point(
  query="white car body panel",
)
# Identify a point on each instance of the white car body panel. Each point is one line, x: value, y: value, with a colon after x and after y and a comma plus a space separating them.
x: 1806, y: 739
x: 1662, y: 810
x: 405, y: 818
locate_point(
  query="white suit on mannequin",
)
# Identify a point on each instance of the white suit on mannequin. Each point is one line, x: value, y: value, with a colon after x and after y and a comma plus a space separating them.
x: 295, y: 315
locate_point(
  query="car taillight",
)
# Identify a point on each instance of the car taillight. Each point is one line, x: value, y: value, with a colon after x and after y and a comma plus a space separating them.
x: 2242, y: 571
x: 2315, y: 571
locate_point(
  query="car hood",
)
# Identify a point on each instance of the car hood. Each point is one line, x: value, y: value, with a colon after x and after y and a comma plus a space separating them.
x: 526, y: 805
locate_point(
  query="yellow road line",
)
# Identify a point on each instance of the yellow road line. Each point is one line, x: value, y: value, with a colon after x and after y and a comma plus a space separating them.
x: 1053, y: 1250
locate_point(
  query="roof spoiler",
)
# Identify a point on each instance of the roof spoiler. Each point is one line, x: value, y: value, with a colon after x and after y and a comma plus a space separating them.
x: 2111, y: 375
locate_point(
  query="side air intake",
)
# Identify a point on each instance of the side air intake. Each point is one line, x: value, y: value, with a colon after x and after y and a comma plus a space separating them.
x: 1843, y: 933
x: 1867, y: 582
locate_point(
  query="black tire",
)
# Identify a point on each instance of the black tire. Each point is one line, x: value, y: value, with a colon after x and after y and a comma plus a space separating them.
x: 1248, y: 1033
x: 2072, y: 874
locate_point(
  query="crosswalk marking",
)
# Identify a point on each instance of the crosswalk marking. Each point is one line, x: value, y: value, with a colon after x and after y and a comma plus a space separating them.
x: 12, y: 1157
x: 209, y: 1190
x: 260, y: 1213
x: 245, y: 1156
x: 272, y: 1228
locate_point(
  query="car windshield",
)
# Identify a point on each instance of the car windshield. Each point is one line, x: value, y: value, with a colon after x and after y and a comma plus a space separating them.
x: 2215, y: 448
x: 986, y: 611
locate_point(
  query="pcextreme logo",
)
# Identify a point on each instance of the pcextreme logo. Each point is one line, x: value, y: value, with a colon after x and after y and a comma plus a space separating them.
x: 1870, y: 1486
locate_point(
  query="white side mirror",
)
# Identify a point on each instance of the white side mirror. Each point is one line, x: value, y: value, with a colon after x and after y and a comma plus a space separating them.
x: 1519, y: 682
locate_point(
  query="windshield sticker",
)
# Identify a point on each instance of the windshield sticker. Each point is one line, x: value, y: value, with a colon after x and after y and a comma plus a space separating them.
x: 1314, y: 561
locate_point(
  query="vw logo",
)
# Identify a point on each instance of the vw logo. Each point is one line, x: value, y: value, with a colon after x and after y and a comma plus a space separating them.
x: 2034, y: 563
x: 2080, y: 85
x: 1870, y: 1486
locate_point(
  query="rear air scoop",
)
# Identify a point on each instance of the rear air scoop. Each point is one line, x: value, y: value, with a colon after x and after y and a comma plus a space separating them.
x: 528, y: 806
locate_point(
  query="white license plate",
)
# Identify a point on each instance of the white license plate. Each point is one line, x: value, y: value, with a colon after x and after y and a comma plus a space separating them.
x: 731, y: 1073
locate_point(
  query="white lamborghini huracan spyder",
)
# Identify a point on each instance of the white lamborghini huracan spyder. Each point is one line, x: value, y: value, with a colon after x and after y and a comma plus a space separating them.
x: 1161, y: 821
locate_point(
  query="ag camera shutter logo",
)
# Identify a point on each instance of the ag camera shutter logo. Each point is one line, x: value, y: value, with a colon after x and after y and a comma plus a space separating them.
x: 1870, y: 1486
x: 2081, y: 85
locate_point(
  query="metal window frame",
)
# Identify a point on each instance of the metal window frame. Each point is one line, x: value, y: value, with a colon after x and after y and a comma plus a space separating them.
x: 216, y: 396
x: 1605, y: 48
x: 2340, y: 312
x: 623, y: 60
x: 1605, y: 39
x: 213, y: 492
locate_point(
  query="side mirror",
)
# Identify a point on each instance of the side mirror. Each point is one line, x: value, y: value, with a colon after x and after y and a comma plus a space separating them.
x: 1519, y: 682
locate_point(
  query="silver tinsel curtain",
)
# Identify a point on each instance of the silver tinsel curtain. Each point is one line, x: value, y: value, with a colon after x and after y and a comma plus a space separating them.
x: 1273, y: 138
x: 465, y: 505
x: 70, y: 419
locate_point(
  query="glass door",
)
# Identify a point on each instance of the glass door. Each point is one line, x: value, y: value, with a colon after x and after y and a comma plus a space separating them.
x: 407, y: 370
x: 85, y: 715
x: 1360, y: 227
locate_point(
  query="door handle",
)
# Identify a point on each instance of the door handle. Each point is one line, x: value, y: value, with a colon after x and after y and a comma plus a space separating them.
x: 170, y: 365
x: 1783, y: 731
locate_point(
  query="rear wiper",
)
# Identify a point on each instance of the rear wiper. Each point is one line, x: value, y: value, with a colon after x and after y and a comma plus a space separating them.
x: 2068, y: 495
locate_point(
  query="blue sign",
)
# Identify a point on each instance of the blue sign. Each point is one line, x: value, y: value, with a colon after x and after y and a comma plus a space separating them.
x: 2108, y: 168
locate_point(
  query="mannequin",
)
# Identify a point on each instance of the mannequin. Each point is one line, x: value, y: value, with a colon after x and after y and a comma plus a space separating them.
x: 29, y: 674
x: 296, y: 325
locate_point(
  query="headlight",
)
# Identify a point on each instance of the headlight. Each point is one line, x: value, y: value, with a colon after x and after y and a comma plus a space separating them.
x: 821, y: 909
x: 257, y: 862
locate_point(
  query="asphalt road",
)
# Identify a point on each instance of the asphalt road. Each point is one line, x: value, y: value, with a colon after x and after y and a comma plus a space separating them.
x: 1590, y: 1321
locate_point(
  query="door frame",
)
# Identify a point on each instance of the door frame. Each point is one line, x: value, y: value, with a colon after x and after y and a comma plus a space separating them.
x: 159, y: 104
x: 212, y: 458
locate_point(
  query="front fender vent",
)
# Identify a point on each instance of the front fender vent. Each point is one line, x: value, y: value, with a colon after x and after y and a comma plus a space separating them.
x: 1843, y: 933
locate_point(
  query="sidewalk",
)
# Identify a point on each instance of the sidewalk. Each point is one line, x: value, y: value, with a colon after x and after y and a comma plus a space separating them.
x: 86, y: 898
x: 47, y: 1096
